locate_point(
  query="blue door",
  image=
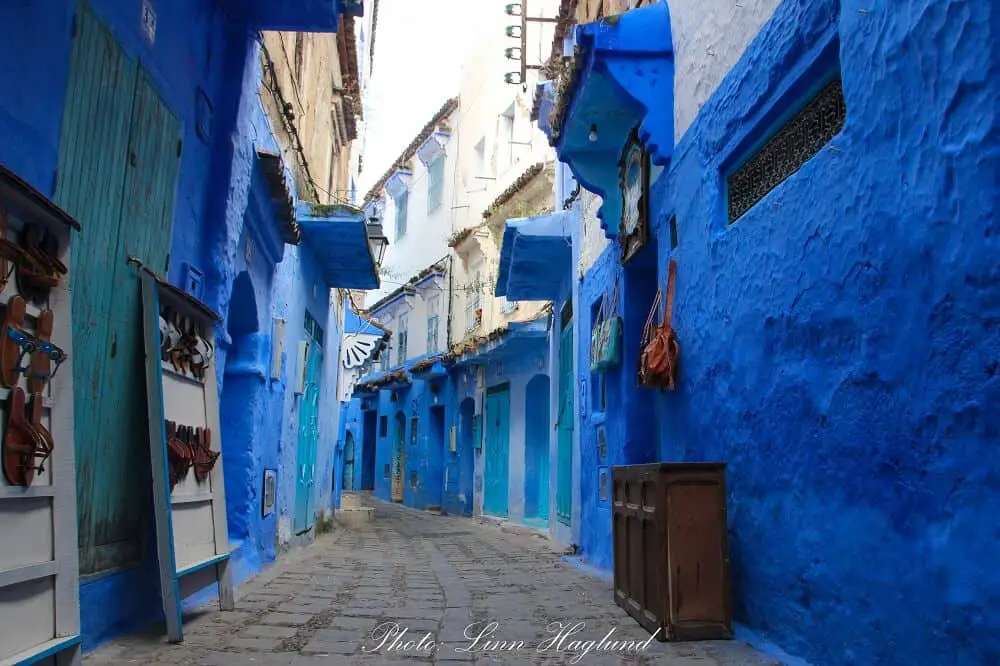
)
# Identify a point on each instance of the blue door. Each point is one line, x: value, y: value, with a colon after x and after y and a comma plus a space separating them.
x: 564, y: 459
x: 119, y: 155
x: 305, y: 495
x: 537, y: 430
x: 496, y: 472
x: 348, y: 483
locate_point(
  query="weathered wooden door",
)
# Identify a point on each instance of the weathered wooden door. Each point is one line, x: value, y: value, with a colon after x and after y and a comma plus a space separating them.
x: 348, y: 482
x: 305, y: 489
x: 496, y: 471
x: 398, y: 457
x: 118, y: 162
x: 564, y: 487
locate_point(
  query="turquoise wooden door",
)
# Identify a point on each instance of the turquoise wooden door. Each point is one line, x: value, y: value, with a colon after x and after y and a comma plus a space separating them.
x: 564, y: 487
x: 348, y: 482
x: 119, y: 156
x: 305, y: 483
x: 496, y: 471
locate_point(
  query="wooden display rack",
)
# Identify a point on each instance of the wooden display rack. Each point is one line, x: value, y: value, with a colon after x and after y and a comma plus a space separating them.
x: 39, y: 562
x: 191, y: 529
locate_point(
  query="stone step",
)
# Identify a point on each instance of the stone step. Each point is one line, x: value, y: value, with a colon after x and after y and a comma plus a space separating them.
x: 356, y: 516
x: 350, y: 500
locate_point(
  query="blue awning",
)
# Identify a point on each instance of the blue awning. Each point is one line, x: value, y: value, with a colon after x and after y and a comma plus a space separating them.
x: 520, y: 340
x: 338, y: 237
x: 294, y: 15
x: 536, y: 257
x: 623, y: 78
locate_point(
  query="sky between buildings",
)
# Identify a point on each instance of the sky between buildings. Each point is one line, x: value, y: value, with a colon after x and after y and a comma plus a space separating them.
x: 419, y: 49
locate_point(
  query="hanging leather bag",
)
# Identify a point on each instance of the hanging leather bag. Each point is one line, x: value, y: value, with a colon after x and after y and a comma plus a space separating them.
x: 660, y: 347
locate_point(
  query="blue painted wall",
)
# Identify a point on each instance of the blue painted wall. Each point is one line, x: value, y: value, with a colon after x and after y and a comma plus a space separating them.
x: 839, y: 343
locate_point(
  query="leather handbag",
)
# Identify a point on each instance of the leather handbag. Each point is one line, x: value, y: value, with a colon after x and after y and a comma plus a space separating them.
x: 606, y: 335
x: 660, y: 347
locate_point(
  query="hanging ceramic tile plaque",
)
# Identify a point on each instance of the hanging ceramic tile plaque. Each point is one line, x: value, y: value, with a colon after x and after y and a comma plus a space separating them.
x: 633, y: 171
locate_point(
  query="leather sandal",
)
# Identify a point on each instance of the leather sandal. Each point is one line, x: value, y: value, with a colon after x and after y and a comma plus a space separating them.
x: 44, y: 437
x: 21, y: 443
x: 41, y: 359
x: 15, y: 343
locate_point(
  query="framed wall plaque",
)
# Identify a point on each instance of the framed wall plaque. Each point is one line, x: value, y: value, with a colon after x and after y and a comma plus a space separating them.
x: 633, y: 176
x: 270, y: 485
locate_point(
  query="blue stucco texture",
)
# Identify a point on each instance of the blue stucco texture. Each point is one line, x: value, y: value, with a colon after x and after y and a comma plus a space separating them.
x: 839, y: 342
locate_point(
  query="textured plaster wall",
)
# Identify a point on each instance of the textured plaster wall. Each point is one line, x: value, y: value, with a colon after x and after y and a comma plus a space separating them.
x: 709, y: 38
x: 839, y: 341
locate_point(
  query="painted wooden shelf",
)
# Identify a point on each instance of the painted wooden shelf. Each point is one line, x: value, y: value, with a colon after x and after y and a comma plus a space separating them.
x: 20, y: 492
x: 177, y: 374
x: 192, y: 499
x: 47, y: 401
x: 201, y: 564
x: 42, y: 652
x: 27, y: 572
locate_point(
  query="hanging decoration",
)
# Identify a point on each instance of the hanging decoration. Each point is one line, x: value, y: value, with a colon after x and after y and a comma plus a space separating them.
x: 633, y: 174
x: 606, y: 335
x: 660, y: 348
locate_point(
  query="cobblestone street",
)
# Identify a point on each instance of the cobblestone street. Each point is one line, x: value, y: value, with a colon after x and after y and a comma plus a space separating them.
x: 430, y: 575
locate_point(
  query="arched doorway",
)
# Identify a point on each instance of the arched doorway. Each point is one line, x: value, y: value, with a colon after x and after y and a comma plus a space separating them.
x: 348, y: 482
x: 241, y: 406
x: 398, y: 456
x: 536, y: 449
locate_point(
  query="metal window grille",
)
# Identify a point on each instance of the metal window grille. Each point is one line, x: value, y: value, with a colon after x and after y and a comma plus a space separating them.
x: 787, y: 150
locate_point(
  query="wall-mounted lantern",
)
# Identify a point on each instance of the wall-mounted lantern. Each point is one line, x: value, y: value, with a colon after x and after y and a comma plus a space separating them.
x: 377, y: 240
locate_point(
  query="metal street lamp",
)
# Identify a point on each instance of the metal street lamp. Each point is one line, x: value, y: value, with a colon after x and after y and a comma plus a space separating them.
x: 376, y: 239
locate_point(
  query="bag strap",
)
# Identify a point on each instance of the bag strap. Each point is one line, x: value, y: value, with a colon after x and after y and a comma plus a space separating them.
x: 600, y: 311
x: 647, y: 330
x: 669, y: 311
x: 613, y: 306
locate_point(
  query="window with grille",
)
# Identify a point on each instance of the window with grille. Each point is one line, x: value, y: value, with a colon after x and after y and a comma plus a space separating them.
x: 435, y: 184
x: 790, y: 147
x: 473, y: 305
x: 401, y: 205
x: 402, y: 335
x: 433, y: 324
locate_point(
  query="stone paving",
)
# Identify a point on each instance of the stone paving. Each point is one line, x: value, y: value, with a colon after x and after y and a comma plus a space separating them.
x: 412, y: 588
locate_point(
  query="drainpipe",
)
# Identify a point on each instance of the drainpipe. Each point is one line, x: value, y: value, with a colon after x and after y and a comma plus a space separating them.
x: 451, y: 282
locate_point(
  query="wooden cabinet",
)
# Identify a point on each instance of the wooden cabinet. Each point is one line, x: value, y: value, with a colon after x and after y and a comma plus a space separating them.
x: 671, y: 558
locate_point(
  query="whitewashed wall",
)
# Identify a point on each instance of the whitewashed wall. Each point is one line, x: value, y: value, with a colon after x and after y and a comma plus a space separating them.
x: 709, y: 37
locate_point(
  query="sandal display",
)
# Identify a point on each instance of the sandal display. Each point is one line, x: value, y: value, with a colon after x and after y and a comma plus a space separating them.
x: 22, y: 443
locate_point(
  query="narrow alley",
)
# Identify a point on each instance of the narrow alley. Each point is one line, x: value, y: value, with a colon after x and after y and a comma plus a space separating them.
x: 433, y: 575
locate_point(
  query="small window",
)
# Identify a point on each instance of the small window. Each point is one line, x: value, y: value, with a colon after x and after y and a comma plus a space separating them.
x: 673, y: 232
x: 474, y: 304
x: 401, y: 205
x: 413, y: 431
x: 435, y: 184
x: 383, y: 428
x: 433, y: 323
x: 402, y: 335
x: 790, y: 147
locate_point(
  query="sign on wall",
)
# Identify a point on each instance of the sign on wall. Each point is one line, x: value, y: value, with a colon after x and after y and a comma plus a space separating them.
x: 270, y: 491
x: 633, y: 172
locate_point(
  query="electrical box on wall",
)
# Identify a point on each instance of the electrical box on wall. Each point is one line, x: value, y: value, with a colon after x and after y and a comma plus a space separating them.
x: 277, y: 346
x: 452, y: 446
x: 300, y: 380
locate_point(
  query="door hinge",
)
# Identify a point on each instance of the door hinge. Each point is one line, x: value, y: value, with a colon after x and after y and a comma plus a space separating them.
x: 166, y: 264
x: 180, y: 147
